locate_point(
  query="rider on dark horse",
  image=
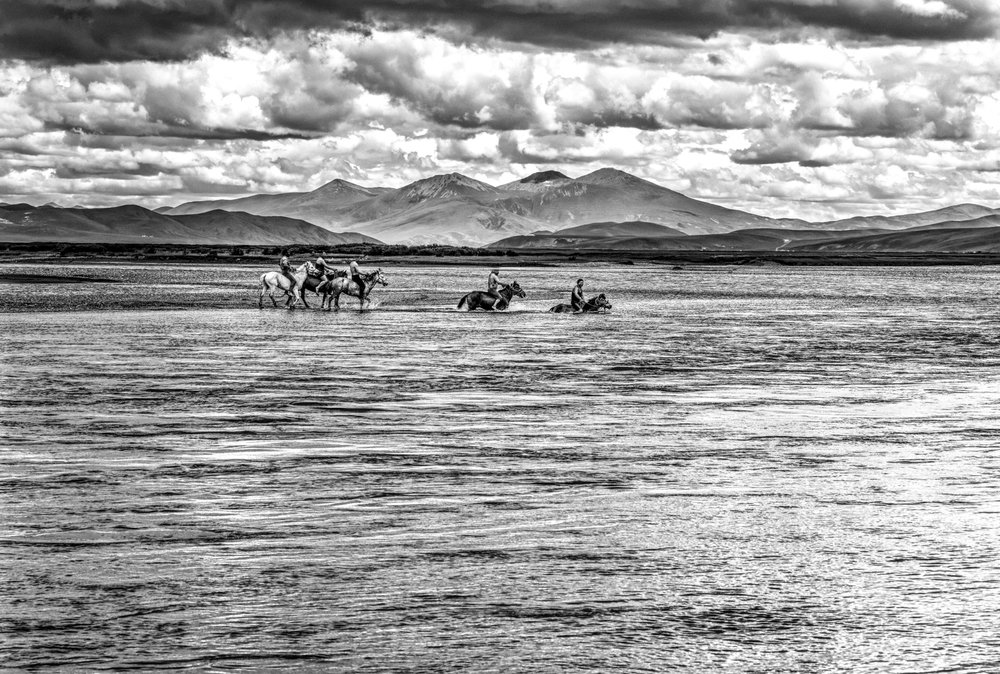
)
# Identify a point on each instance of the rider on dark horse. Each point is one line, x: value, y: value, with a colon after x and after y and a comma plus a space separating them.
x: 323, y: 269
x: 493, y: 284
x: 576, y: 298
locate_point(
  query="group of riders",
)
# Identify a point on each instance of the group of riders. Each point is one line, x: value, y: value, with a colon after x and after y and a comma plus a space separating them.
x: 324, y: 272
x: 496, y: 298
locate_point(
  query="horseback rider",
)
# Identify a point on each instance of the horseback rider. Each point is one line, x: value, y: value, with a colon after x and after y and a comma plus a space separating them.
x: 355, y: 272
x: 323, y: 268
x: 576, y: 298
x: 493, y: 284
x: 286, y: 266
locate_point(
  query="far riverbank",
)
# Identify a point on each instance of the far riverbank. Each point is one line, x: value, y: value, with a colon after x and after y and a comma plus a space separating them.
x: 389, y: 256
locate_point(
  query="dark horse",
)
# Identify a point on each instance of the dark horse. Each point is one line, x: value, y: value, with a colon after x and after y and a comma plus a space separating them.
x: 593, y: 304
x: 478, y: 299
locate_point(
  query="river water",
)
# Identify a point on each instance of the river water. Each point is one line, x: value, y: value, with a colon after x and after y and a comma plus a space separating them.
x: 735, y: 470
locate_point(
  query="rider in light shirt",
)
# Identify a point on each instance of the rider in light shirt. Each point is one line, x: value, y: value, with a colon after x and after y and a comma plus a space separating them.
x: 576, y: 297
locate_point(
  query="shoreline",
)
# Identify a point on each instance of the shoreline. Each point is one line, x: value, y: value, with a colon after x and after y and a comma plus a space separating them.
x: 29, y: 279
x: 532, y: 258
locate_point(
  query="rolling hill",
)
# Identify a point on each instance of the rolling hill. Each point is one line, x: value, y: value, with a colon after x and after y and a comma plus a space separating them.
x: 135, y: 224
x: 946, y: 239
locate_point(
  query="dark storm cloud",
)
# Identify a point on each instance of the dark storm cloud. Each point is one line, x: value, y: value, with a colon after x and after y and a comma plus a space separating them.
x: 194, y: 133
x: 78, y: 31
x: 114, y: 172
x: 73, y: 31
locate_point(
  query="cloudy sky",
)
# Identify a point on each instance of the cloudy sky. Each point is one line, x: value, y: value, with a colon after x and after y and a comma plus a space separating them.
x: 808, y: 108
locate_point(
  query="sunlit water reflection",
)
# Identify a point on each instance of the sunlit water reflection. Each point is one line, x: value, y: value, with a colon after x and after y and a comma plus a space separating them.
x: 735, y: 470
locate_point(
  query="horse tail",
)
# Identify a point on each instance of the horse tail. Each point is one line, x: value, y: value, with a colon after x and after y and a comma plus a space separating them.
x: 465, y: 300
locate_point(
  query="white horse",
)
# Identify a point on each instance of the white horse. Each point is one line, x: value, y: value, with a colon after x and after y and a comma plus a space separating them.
x: 345, y: 286
x: 273, y: 281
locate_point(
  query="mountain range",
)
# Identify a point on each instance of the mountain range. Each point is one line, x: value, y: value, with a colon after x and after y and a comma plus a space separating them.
x: 607, y: 209
x: 455, y: 209
x: 135, y: 224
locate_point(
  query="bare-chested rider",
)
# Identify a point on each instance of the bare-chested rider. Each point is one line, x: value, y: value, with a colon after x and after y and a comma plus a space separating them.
x: 493, y: 284
x: 324, y: 269
x: 355, y: 272
x: 576, y: 297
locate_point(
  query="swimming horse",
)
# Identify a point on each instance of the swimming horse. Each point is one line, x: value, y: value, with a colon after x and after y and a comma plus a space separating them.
x: 593, y: 304
x: 478, y: 299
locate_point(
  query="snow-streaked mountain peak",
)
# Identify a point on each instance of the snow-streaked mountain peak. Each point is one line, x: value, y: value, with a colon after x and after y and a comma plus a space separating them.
x: 446, y: 185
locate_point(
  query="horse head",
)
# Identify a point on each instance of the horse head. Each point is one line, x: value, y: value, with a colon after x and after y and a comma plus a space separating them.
x: 515, y: 289
x: 377, y: 277
x: 600, y: 301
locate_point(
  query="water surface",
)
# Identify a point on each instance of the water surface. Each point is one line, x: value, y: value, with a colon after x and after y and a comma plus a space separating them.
x: 736, y: 470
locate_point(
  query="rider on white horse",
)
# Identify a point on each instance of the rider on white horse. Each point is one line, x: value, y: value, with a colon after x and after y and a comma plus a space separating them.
x: 286, y: 267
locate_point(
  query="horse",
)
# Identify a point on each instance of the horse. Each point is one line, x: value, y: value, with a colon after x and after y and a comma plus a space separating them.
x: 345, y: 286
x: 478, y: 299
x: 593, y: 304
x: 275, y: 280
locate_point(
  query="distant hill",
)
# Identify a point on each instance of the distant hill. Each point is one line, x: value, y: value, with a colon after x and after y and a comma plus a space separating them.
x: 945, y: 239
x: 957, y: 213
x: 613, y: 229
x: 992, y: 220
x: 626, y: 238
x: 597, y: 235
x: 135, y: 224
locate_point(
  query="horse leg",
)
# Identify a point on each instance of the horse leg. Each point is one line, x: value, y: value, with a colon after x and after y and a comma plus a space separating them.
x: 260, y: 295
x: 293, y: 297
x: 302, y: 296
